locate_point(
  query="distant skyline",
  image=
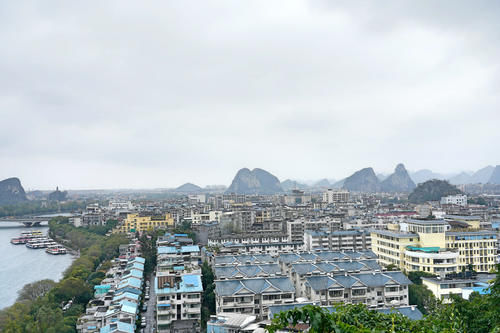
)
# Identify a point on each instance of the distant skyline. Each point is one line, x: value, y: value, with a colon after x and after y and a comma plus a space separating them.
x: 125, y: 94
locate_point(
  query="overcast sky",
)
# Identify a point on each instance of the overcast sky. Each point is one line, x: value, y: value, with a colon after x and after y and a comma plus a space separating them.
x: 133, y: 94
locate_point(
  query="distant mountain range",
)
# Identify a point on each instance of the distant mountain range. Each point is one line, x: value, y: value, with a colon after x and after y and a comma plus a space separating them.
x: 289, y: 185
x: 480, y: 176
x: 495, y: 176
x: 399, y: 181
x: 11, y: 192
x: 364, y: 180
x: 259, y: 181
x: 189, y: 188
x: 256, y: 181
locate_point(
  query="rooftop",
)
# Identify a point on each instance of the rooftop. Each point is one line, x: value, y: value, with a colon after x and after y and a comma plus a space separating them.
x: 427, y: 222
x: 396, y: 234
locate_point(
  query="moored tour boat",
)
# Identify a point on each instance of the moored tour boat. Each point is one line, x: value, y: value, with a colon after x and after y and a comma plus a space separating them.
x: 26, y: 236
x: 56, y: 249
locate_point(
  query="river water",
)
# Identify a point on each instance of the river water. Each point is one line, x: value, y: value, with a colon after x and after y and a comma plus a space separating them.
x: 20, y: 265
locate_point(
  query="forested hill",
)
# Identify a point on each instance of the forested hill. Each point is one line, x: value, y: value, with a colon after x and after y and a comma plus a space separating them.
x: 432, y: 190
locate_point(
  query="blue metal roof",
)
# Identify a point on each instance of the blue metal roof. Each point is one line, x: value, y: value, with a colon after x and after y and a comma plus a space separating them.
x: 190, y: 248
x: 189, y: 284
x: 130, y: 282
x: 126, y: 295
x: 367, y: 279
x: 117, y: 327
x: 254, y: 286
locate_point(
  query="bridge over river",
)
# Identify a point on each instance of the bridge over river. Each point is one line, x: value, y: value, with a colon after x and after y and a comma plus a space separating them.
x: 31, y: 221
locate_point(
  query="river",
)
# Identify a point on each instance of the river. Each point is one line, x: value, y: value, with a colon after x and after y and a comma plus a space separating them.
x: 20, y: 265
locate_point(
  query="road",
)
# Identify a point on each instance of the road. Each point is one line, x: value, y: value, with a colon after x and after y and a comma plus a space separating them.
x: 150, y: 313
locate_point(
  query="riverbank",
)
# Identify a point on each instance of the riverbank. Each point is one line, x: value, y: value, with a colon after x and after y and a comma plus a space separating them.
x: 77, y: 284
x: 21, y: 265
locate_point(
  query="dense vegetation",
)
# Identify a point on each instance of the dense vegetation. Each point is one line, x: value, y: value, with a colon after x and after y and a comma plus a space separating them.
x: 40, y: 207
x: 419, y: 294
x: 480, y: 314
x: 39, y: 307
x: 185, y: 228
x: 208, y: 299
x: 432, y: 190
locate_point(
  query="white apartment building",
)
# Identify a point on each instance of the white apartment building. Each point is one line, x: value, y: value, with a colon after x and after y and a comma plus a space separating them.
x: 375, y: 289
x: 178, y: 302
x: 343, y: 240
x: 252, y: 296
x: 335, y: 196
x: 211, y: 216
x: 296, y: 228
x: 458, y: 200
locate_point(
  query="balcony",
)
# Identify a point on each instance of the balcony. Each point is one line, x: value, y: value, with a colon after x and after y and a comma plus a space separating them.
x: 358, y: 293
x: 394, y: 291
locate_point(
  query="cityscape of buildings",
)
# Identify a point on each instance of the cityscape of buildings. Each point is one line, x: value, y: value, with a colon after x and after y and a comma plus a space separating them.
x: 270, y: 253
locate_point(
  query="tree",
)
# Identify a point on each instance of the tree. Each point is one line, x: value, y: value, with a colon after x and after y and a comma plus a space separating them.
x: 391, y: 267
x: 72, y: 288
x: 208, y: 300
x: 32, y: 291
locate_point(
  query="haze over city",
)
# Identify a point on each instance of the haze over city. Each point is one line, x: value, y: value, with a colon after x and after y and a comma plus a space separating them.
x: 116, y: 94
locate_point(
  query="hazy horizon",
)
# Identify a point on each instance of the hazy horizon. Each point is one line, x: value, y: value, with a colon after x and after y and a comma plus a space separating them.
x: 308, y: 181
x: 124, y: 94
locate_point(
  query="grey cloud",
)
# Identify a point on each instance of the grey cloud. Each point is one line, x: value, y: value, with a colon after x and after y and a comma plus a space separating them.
x: 127, y: 94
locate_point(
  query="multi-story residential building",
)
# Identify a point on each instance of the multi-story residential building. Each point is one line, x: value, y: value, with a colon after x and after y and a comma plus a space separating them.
x: 476, y: 249
x: 296, y: 228
x: 347, y: 240
x: 143, y: 222
x: 461, y: 285
x: 238, y: 220
x: 249, y: 238
x: 430, y: 246
x: 118, y: 207
x: 271, y: 248
x: 458, y: 200
x: 335, y: 196
x: 92, y: 219
x: 299, y: 272
x: 252, y: 296
x: 178, y: 302
x: 257, y: 242
x: 178, y: 257
x: 206, y: 230
x: 376, y: 289
x: 297, y: 197
x: 211, y: 216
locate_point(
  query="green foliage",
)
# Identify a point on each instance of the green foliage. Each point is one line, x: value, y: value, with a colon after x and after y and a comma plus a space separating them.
x: 148, y: 250
x: 32, y: 291
x: 477, y: 201
x: 432, y: 190
x: 103, y: 229
x: 185, y: 228
x: 391, y: 267
x: 208, y: 299
x: 358, y: 318
x: 40, y: 207
x: 422, y: 297
x: 416, y: 277
x: 419, y: 294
